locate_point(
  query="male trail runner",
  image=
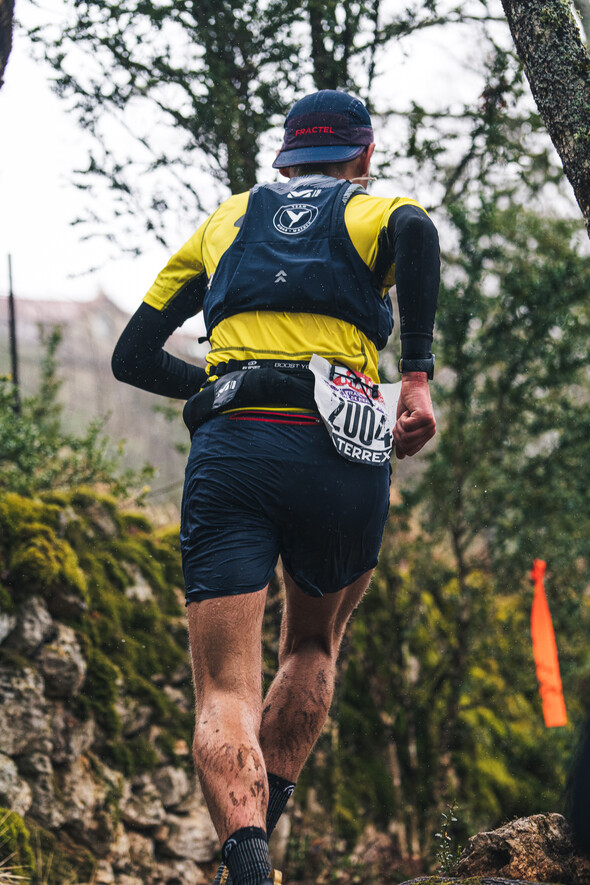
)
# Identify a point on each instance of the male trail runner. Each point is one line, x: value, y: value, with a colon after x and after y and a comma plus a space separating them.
x: 287, y: 274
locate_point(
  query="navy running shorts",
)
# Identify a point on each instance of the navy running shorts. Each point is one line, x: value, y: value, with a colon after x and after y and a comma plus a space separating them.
x: 256, y: 490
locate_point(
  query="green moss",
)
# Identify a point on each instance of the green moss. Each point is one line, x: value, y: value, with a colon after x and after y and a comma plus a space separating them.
x: 100, y: 691
x: 133, y: 756
x: 39, y: 561
x: 58, y: 859
x: 115, y: 573
x: 17, y: 511
x: 6, y: 600
x: 16, y: 855
x: 135, y: 522
x: 59, y: 499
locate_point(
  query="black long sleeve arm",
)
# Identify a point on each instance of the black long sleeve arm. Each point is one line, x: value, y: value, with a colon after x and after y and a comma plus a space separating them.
x: 413, y: 244
x: 139, y: 358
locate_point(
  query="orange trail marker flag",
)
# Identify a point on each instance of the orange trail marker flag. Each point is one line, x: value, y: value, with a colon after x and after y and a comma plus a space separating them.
x: 545, y: 652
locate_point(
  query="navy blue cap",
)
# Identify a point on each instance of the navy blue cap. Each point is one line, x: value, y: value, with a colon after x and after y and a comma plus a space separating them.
x: 325, y: 127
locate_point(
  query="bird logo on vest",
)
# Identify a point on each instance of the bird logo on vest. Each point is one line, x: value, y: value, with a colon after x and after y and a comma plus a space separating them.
x: 294, y: 219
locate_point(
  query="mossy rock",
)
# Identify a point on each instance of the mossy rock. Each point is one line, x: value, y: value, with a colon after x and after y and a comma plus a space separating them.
x: 40, y: 562
x: 35, y: 558
x: 78, y: 545
x: 133, y: 755
x: 17, y: 511
x: 16, y: 854
x: 100, y: 691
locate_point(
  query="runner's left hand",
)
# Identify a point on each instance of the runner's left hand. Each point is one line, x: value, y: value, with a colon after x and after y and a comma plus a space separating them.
x: 415, y: 423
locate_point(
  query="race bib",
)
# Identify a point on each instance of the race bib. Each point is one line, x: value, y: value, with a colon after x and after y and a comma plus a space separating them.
x: 359, y: 414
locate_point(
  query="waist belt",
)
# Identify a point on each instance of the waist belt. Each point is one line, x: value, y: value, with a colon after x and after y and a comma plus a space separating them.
x: 221, y: 369
x: 252, y: 383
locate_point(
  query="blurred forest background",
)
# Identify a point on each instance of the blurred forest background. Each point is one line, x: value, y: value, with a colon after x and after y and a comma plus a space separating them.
x: 438, y: 701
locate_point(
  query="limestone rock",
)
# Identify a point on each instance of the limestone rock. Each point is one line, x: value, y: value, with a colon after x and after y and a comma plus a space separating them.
x: 173, y: 785
x: 140, y: 590
x: 46, y: 806
x: 537, y: 848
x: 62, y: 664
x: 194, y: 801
x: 34, y: 626
x: 15, y: 792
x: 90, y: 794
x: 103, y: 873
x: 71, y: 738
x: 178, y: 697
x: 141, y: 806
x: 7, y: 625
x: 182, y: 675
x: 141, y: 853
x: 24, y: 719
x: 166, y: 873
x: 119, y: 855
x: 191, y: 836
x: 134, y: 715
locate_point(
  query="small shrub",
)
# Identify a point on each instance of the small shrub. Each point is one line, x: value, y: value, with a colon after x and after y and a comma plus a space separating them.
x: 447, y: 852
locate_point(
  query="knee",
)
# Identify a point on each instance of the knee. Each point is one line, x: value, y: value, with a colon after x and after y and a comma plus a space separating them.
x: 319, y: 646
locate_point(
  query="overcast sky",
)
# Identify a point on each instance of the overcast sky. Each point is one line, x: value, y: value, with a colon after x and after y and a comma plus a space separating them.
x: 39, y: 147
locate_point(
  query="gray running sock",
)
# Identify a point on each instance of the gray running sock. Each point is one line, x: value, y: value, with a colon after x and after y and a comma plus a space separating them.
x: 246, y: 856
x: 279, y: 792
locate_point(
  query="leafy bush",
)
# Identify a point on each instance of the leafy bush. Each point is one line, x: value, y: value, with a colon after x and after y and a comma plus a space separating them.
x: 37, y: 455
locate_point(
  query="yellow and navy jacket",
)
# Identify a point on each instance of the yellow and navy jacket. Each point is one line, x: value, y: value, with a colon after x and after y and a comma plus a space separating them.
x: 287, y: 270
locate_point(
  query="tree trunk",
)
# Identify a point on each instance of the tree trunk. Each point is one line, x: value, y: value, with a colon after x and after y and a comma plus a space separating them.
x: 555, y: 60
x: 583, y: 7
x: 6, y: 17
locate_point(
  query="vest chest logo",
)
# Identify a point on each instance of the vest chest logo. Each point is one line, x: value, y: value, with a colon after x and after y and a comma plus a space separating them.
x: 294, y: 219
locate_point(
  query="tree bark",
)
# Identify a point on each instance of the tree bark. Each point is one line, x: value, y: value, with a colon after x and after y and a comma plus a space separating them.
x: 583, y: 7
x: 6, y: 17
x: 557, y: 65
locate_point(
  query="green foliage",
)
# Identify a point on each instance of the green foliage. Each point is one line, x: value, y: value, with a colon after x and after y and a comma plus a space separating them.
x: 438, y: 695
x: 36, y: 455
x: 17, y: 861
x: 514, y: 334
x: 494, y: 144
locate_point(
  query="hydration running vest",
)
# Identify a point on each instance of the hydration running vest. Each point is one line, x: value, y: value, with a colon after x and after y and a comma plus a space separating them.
x: 294, y: 254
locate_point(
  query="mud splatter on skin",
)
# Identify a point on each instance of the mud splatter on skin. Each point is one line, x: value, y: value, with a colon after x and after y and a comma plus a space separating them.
x: 234, y: 772
x: 296, y: 728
